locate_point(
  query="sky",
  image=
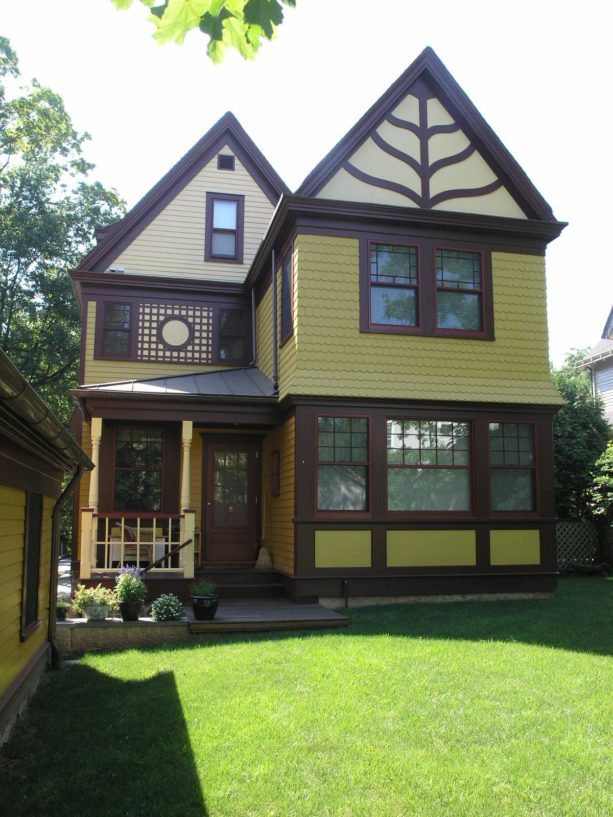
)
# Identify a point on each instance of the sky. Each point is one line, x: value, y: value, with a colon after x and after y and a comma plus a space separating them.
x: 538, y: 71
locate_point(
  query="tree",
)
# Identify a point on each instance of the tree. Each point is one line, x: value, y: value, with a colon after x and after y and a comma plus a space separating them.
x: 601, y: 489
x: 239, y: 24
x: 580, y: 436
x: 48, y: 214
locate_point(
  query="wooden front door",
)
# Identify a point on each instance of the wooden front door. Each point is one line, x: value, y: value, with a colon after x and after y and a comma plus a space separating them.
x: 231, y: 502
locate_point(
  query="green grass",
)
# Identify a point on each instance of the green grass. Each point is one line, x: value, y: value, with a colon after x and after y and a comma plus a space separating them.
x: 493, y: 709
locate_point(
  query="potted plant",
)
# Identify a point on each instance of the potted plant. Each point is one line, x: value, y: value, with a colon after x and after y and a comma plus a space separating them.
x: 131, y: 591
x: 62, y: 606
x: 167, y: 608
x: 93, y: 602
x: 204, y: 600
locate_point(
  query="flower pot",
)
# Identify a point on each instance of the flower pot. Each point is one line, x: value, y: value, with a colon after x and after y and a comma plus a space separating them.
x: 130, y: 610
x: 205, y: 607
x: 60, y: 613
x: 96, y: 612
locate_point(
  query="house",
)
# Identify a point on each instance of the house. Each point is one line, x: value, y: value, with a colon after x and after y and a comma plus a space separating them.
x: 599, y: 363
x: 354, y: 376
x: 36, y: 453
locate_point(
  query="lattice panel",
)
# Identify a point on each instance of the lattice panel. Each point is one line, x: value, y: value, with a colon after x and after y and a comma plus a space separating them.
x: 577, y: 543
x: 151, y: 345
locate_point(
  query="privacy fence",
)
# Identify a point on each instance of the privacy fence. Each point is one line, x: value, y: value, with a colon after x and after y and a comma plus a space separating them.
x: 583, y: 545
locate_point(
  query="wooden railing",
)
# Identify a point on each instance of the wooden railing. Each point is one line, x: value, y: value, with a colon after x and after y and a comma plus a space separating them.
x: 139, y: 540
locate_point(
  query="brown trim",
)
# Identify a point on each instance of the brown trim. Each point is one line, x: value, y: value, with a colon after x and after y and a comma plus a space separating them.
x: 427, y: 77
x: 350, y: 218
x: 24, y: 471
x: 160, y: 331
x: 239, y: 200
x: 227, y: 131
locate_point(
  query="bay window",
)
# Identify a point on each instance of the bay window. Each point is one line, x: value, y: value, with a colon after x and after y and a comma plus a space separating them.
x: 393, y: 285
x: 512, y: 466
x: 459, y: 303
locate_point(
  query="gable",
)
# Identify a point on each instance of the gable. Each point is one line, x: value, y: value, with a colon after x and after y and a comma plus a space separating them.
x: 424, y: 145
x: 160, y: 234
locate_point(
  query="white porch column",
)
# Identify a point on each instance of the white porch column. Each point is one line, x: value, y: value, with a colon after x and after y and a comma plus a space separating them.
x: 188, y: 523
x: 87, y: 529
x: 96, y: 432
x: 187, y: 428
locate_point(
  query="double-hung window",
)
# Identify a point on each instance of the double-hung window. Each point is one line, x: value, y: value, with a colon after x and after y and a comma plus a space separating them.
x: 512, y: 466
x: 394, y: 282
x: 117, y: 330
x: 342, y: 464
x: 231, y: 338
x: 459, y: 285
x: 138, y: 469
x: 428, y: 465
x: 224, y: 227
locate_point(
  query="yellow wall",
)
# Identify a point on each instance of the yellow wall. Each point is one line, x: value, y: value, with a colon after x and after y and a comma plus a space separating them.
x: 14, y: 655
x: 342, y: 548
x: 263, y: 322
x: 278, y: 512
x: 173, y: 243
x: 515, y: 547
x: 335, y: 358
x: 430, y: 548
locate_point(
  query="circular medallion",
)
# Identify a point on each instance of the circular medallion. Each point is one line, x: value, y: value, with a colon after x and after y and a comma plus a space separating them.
x: 175, y: 332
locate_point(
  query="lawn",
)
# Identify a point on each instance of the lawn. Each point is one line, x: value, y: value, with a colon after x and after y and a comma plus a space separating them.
x: 486, y: 709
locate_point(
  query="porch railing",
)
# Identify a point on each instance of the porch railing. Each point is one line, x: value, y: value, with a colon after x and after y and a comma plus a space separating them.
x: 113, y: 540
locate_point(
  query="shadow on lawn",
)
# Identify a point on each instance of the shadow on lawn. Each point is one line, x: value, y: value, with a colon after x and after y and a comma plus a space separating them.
x: 123, y: 750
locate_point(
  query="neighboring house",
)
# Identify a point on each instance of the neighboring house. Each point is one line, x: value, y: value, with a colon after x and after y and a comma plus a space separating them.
x: 599, y: 362
x: 355, y: 376
x: 36, y: 453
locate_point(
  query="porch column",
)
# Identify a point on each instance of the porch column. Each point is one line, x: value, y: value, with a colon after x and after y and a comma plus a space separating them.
x: 96, y: 432
x: 188, y: 517
x: 87, y: 529
x: 187, y: 428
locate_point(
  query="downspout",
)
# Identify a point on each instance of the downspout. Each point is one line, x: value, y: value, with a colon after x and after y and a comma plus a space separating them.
x: 56, y: 656
x: 275, y: 350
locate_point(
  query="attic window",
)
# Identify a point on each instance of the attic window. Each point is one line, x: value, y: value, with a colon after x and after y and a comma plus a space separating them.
x: 225, y: 161
x: 224, y: 228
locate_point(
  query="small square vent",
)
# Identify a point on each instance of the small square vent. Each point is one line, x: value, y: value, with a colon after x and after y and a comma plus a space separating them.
x: 225, y: 161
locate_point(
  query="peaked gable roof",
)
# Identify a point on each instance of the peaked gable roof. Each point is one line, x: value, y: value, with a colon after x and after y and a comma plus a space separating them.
x: 226, y: 131
x: 425, y: 80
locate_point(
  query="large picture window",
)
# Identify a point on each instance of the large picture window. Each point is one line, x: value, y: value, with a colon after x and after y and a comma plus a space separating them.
x: 428, y: 465
x: 138, y: 469
x: 425, y: 288
x: 512, y: 466
x: 393, y: 285
x: 224, y: 227
x: 459, y: 304
x: 342, y: 464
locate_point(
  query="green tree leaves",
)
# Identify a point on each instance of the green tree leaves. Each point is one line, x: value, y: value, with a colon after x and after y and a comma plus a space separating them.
x: 48, y: 213
x: 580, y: 436
x: 238, y: 24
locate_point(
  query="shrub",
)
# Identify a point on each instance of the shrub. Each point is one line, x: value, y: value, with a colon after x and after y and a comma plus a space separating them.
x: 98, y: 595
x: 167, y: 608
x: 129, y: 585
x: 204, y: 588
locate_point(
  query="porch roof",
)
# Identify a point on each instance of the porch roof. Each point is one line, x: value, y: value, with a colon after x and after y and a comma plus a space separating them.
x: 248, y: 382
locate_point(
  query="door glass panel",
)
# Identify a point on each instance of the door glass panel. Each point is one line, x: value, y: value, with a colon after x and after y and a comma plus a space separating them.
x: 230, y: 489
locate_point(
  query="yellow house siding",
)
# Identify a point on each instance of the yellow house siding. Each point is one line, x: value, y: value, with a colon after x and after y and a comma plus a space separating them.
x: 14, y: 654
x: 431, y: 548
x: 278, y: 512
x: 334, y: 358
x: 107, y: 371
x: 288, y: 352
x: 264, y: 333
x: 173, y: 243
x: 515, y: 547
x: 342, y: 548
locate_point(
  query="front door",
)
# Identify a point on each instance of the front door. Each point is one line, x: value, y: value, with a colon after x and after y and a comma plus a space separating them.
x: 231, y: 502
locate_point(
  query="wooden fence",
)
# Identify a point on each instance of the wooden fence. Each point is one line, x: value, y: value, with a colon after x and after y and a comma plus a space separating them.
x: 582, y: 545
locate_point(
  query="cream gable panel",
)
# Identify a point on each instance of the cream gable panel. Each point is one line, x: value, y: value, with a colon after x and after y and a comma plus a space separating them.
x: 404, y: 163
x: 173, y: 243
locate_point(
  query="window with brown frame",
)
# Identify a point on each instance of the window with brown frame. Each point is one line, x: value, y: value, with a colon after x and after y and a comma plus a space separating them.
x: 421, y: 287
x: 224, y: 227
x: 117, y: 330
x: 231, y: 336
x: 512, y: 466
x: 428, y: 465
x: 137, y: 483
x: 287, y: 318
x: 31, y: 564
x: 342, y: 464
x: 459, y: 283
